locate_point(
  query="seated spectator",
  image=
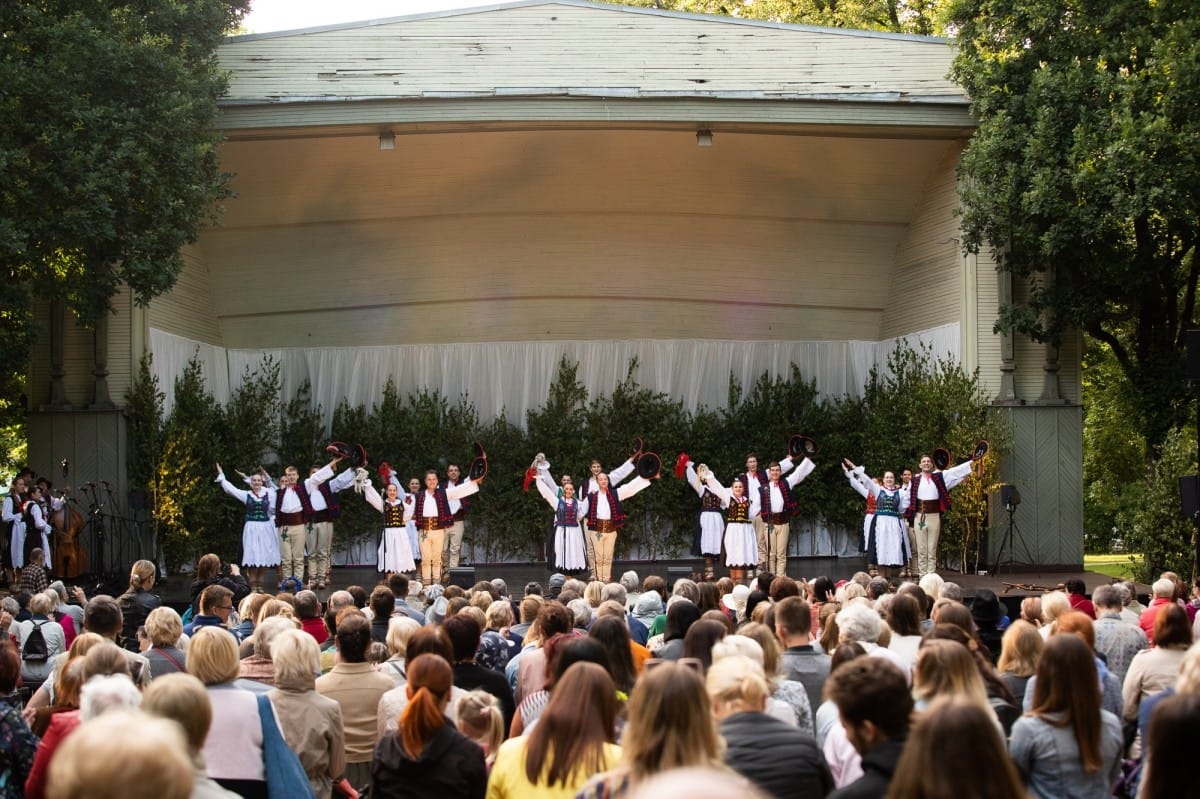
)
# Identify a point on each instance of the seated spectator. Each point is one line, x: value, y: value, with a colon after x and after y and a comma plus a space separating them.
x: 101, y: 760
x: 164, y: 628
x: 875, y: 704
x: 181, y: 698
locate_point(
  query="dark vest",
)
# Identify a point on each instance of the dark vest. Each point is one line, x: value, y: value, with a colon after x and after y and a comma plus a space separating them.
x: 614, y: 506
x: 393, y: 515
x: 256, y: 509
x: 444, y: 517
x: 305, y: 502
x: 710, y: 502
x: 331, y: 501
x: 790, y: 507
x: 567, y: 515
x: 943, y: 494
x: 739, y: 511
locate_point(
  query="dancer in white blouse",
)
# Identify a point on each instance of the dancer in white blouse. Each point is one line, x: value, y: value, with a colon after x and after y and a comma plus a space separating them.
x: 260, y: 545
x: 741, y: 544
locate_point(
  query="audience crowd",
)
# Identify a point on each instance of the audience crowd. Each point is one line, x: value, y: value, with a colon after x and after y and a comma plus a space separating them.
x: 781, y: 688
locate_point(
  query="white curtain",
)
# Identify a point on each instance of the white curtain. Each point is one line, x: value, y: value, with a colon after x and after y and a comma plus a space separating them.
x: 511, y: 378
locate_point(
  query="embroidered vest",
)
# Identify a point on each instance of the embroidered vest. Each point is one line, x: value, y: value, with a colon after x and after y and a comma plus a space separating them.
x: 943, y: 495
x: 444, y: 517
x: 393, y: 515
x: 739, y: 511
x: 614, y: 507
x: 710, y: 502
x: 301, y: 494
x: 760, y: 475
x: 790, y: 507
x: 567, y: 515
x: 256, y: 508
x: 331, y: 500
x: 888, y: 503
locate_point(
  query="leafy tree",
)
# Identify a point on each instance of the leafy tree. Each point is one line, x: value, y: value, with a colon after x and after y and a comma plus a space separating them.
x: 897, y: 16
x: 1083, y: 175
x: 108, y: 152
x: 1154, y: 526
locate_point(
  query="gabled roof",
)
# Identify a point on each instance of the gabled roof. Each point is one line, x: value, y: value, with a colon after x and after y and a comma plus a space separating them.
x: 571, y: 48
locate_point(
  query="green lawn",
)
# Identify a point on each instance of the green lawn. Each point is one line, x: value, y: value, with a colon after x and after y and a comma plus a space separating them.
x: 1120, y: 566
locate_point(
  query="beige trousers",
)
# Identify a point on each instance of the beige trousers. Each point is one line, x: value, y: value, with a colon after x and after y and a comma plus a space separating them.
x: 292, y: 539
x: 320, y: 541
x: 432, y: 544
x: 927, y: 527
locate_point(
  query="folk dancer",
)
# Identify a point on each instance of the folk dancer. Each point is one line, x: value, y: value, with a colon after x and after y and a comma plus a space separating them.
x: 854, y: 474
x: 712, y: 521
x: 741, y: 542
x: 14, y: 529
x: 260, y: 546
x: 325, y: 509
x: 777, y: 506
x: 605, y: 516
x: 887, y: 537
x: 36, y: 510
x: 929, y: 498
x: 293, y: 512
x: 458, y: 507
x: 568, y: 546
x: 753, y: 479
x: 906, y: 481
x: 433, y: 517
x: 395, y: 551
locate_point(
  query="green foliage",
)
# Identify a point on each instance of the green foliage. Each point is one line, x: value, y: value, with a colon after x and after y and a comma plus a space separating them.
x: 424, y: 430
x: 1083, y: 175
x: 108, y: 153
x: 1154, y: 525
x: 898, y: 16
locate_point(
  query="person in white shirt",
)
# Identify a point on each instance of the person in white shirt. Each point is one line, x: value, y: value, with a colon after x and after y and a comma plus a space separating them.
x: 929, y: 498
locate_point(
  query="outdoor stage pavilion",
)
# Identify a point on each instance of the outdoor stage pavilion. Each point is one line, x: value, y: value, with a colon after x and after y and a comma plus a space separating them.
x: 458, y: 199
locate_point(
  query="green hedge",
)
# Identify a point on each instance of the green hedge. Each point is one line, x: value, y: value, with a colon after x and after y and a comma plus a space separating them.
x: 921, y: 404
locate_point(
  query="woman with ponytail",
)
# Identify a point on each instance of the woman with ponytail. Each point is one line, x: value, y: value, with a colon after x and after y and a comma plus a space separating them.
x: 427, y: 756
x: 137, y: 602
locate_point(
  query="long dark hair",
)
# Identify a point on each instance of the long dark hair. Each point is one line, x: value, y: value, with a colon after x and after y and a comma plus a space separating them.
x: 614, y: 635
x: 568, y: 741
x: 1170, y: 748
x: 1068, y: 684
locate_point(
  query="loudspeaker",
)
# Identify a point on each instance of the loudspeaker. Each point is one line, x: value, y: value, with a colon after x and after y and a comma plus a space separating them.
x: 1008, y: 495
x: 676, y: 573
x: 462, y: 576
x: 1189, y: 496
x: 1193, y: 355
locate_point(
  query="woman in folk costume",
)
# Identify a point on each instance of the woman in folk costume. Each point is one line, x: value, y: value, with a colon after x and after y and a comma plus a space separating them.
x: 741, y: 542
x: 569, y: 552
x: 395, y: 551
x: 712, y: 521
x: 887, y: 540
x: 36, y: 511
x: 855, y: 478
x: 260, y: 544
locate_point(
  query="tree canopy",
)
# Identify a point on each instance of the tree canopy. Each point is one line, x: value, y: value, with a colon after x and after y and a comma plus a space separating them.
x: 897, y: 16
x: 1084, y: 176
x: 108, y: 152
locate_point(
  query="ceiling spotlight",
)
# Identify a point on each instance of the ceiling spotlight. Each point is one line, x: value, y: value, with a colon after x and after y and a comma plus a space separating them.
x: 704, y: 137
x: 387, y: 140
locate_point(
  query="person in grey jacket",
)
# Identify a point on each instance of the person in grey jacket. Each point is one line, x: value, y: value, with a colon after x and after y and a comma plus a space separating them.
x: 775, y: 756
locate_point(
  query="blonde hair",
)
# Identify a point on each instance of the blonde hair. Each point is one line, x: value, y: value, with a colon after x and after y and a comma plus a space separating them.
x: 42, y: 604
x: 296, y: 656
x: 141, y: 573
x: 736, y: 681
x: 499, y: 614
x: 1188, y: 681
x: 181, y: 698
x: 769, y: 644
x: 947, y: 668
x: 476, y: 615
x: 213, y: 656
x: 594, y: 593
x: 163, y: 626
x: 274, y: 607
x: 103, y: 760
x: 670, y: 723
x: 1020, y: 649
x: 480, y: 718
x: 251, y: 605
x: 1054, y: 604
x: 400, y: 629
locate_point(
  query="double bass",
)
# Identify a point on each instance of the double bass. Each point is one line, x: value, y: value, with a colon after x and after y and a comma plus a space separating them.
x: 70, y: 558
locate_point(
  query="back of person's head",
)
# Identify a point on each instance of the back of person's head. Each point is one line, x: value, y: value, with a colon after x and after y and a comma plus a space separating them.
x: 360, y: 595
x: 768, y: 643
x: 569, y: 737
x: 499, y: 615
x: 430, y: 679
x: 793, y: 616
x: 307, y: 604
x: 1074, y: 585
x: 353, y: 637
x: 212, y: 656
x: 700, y: 639
x: 1172, y: 630
x: 297, y: 658
x: 947, y: 668
x: 657, y: 584
x: 43, y: 603
x: 340, y: 599
x: 955, y: 749
x: 181, y: 698
x: 687, y: 589
x: 102, y: 616
x: 1163, y: 588
x: 1189, y: 671
x: 593, y: 593
x: 103, y: 760
x: 570, y: 650
x: 581, y: 611
x: 681, y: 615
x: 274, y: 607
x: 612, y: 633
x: 400, y: 630
x: 141, y: 575
x: 398, y: 584
x: 1108, y: 598
x: 874, y: 690
x: 1170, y: 769
x: 530, y: 605
x: 106, y: 658
x: 904, y: 615
x: 554, y: 618
x: 1020, y: 649
x: 164, y: 626
x: 736, y: 683
x: 1054, y: 604
x: 464, y: 636
x: 265, y: 634
x: 859, y: 622
x: 630, y: 582
x: 104, y: 693
x: 479, y: 717
x: 1076, y: 622
x: 614, y: 592
x: 670, y: 723
x: 783, y: 587
x: 214, y: 597
x: 383, y: 602
x: 952, y: 591
x: 430, y: 641
x: 69, y: 683
x: 208, y: 567
x: 1068, y: 684
x: 10, y: 665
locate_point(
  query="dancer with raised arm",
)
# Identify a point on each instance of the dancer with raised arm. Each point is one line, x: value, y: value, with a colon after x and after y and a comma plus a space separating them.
x: 712, y: 522
x: 854, y: 475
x: 887, y: 536
x: 568, y: 546
x: 777, y: 505
x: 260, y: 546
x: 395, y: 552
x: 741, y: 542
x: 929, y: 498
x: 753, y: 479
x: 604, y: 513
x: 433, y: 514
